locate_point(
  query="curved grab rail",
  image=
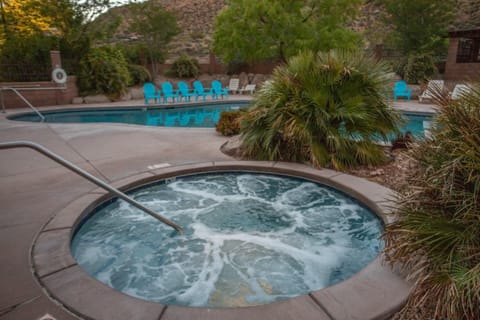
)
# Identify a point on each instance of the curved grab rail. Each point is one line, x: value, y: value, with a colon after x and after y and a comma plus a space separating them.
x: 67, y: 164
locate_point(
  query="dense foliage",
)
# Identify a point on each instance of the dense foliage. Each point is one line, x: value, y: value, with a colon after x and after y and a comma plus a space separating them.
x: 419, y: 68
x: 103, y: 70
x: 229, y: 122
x: 185, y: 67
x: 138, y: 75
x: 419, y: 26
x: 437, y: 237
x: 257, y: 30
x: 323, y: 108
x: 47, y: 25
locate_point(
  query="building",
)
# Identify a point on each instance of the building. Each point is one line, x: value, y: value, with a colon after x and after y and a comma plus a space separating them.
x: 463, y: 60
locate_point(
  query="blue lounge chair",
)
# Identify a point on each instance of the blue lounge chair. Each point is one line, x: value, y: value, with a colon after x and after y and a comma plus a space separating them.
x: 218, y: 90
x: 150, y: 92
x: 400, y: 89
x: 200, y: 91
x: 184, y: 91
x: 168, y: 92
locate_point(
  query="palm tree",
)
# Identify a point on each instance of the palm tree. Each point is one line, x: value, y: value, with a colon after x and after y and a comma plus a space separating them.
x: 324, y: 108
x: 437, y: 237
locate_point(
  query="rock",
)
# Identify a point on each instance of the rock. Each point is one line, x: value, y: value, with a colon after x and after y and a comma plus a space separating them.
x: 126, y: 96
x: 259, y: 79
x: 243, y: 80
x: 233, y: 147
x: 77, y: 100
x: 136, y: 93
x: 99, y: 98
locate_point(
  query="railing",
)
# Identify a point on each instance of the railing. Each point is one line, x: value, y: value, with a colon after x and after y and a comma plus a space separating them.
x: 25, y: 72
x: 21, y: 97
x: 88, y: 176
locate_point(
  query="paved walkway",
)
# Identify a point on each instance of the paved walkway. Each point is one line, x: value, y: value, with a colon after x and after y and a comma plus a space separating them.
x: 33, y: 188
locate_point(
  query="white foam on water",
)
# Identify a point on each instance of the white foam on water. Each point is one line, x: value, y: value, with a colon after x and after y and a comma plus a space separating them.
x: 319, y: 232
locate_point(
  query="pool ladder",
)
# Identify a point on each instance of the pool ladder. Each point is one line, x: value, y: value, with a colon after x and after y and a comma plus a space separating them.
x: 67, y: 164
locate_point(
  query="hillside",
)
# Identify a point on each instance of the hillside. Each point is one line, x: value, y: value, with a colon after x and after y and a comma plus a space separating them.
x: 196, y: 18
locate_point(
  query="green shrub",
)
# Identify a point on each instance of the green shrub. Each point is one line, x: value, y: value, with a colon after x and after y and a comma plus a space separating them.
x: 229, y: 122
x: 437, y: 236
x: 419, y: 68
x: 103, y: 70
x: 399, y: 65
x: 324, y: 109
x: 26, y: 58
x: 185, y: 67
x: 138, y: 74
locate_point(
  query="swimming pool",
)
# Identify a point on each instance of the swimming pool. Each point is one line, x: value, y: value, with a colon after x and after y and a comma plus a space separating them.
x: 196, y: 116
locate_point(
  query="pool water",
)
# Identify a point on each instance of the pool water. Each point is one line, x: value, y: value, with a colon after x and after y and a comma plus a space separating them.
x: 200, y: 116
x: 249, y: 239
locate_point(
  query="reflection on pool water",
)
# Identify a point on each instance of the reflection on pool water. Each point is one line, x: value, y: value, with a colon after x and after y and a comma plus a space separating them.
x: 249, y: 239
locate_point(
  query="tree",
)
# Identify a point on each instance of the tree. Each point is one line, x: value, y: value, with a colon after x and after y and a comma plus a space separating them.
x: 256, y: 30
x: 49, y: 24
x: 323, y: 108
x: 419, y: 26
x: 437, y: 235
x: 156, y: 27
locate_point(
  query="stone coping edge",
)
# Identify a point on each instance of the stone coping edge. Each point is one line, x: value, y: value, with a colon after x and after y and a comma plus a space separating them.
x: 376, y: 292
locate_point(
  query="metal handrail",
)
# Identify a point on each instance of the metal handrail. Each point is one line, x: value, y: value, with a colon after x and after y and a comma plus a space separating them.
x: 67, y: 164
x: 24, y: 100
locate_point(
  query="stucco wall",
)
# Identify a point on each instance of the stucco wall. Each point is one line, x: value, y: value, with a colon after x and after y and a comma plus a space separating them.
x: 37, y: 95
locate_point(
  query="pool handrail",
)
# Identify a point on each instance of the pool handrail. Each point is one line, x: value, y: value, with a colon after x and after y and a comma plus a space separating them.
x: 42, y: 117
x: 67, y: 164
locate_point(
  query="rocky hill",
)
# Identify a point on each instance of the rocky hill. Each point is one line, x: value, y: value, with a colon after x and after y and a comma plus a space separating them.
x: 196, y: 18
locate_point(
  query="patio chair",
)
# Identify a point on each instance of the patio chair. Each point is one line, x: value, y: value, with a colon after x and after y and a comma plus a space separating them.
x: 185, y: 91
x: 150, y: 92
x: 168, y: 92
x: 400, y: 89
x: 432, y: 86
x: 459, y: 91
x: 218, y: 90
x: 233, y: 85
x: 200, y: 91
x: 249, y: 88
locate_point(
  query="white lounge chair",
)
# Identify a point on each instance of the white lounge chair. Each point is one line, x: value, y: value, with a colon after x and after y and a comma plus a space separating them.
x: 233, y: 85
x: 432, y: 86
x: 459, y: 91
x: 249, y: 88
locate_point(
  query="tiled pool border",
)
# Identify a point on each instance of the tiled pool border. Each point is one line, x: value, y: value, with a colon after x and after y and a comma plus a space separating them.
x: 376, y: 292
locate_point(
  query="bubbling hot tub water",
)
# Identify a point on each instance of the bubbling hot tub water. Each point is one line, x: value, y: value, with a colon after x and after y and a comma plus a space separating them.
x: 249, y: 239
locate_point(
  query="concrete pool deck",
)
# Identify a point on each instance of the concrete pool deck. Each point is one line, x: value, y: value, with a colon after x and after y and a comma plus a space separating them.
x: 33, y: 190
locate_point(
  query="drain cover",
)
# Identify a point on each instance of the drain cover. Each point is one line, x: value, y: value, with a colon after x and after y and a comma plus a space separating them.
x: 47, y: 317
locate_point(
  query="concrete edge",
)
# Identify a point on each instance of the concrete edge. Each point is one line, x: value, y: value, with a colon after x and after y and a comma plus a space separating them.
x: 52, y: 259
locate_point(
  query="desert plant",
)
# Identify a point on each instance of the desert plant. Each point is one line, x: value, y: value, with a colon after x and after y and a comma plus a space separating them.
x: 185, y: 67
x: 229, y: 122
x: 138, y: 74
x: 103, y: 70
x: 323, y: 108
x: 437, y: 236
x: 419, y: 68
